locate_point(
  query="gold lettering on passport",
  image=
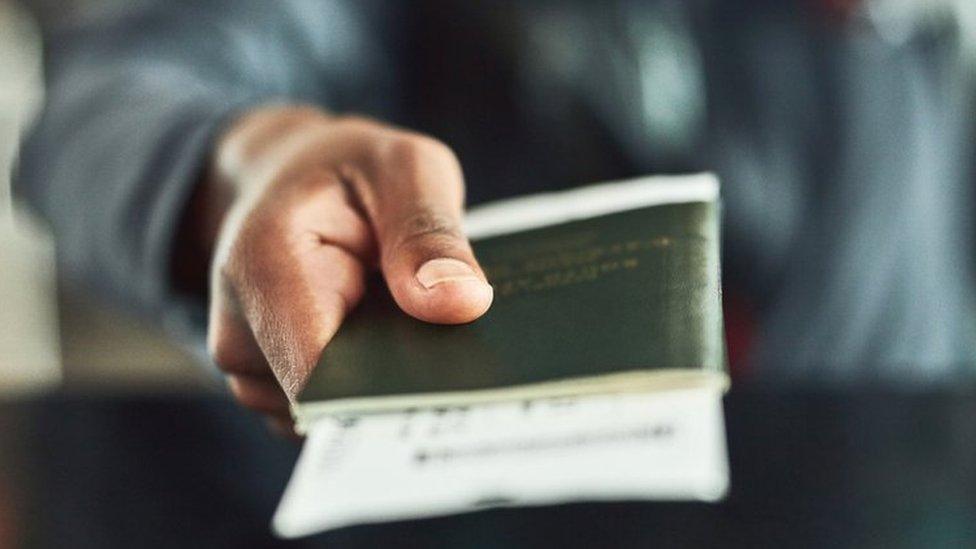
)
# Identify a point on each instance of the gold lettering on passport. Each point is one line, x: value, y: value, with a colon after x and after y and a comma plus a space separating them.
x: 561, y: 268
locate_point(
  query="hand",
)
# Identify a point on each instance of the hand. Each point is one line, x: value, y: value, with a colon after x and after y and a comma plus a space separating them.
x: 302, y: 206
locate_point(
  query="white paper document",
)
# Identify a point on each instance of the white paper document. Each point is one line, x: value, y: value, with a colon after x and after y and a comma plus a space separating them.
x: 651, y: 446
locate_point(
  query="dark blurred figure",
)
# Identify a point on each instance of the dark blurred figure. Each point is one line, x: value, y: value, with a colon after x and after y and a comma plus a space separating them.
x: 179, y: 135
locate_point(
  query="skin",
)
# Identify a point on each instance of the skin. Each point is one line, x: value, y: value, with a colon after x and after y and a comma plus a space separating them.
x: 297, y: 208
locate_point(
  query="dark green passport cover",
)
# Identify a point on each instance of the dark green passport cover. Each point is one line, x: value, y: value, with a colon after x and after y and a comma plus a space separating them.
x: 631, y: 292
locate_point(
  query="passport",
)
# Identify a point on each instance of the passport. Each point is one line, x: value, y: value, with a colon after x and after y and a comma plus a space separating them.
x: 604, y: 289
x: 596, y: 375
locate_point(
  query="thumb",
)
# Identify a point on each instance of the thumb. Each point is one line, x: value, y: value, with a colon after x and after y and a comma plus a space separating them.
x: 414, y: 196
x: 432, y: 272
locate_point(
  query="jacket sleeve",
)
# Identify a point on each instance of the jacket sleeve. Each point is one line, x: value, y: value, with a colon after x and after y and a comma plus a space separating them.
x: 134, y: 102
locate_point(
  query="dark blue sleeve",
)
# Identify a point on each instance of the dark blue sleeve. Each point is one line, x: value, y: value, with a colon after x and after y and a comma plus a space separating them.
x: 134, y: 102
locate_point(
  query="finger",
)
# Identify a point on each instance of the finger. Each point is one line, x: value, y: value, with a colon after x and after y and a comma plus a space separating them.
x: 322, y: 208
x: 412, y: 190
x: 261, y: 394
x: 283, y: 427
x: 229, y: 339
x: 296, y: 280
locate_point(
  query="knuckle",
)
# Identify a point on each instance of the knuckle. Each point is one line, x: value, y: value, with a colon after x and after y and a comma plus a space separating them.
x: 401, y: 164
x: 245, y: 398
x: 230, y: 256
x: 225, y: 354
x: 255, y: 397
x: 231, y: 349
x: 429, y: 228
x: 225, y: 265
x: 217, y: 349
x: 355, y: 123
x: 254, y: 239
x: 251, y: 402
x: 412, y: 151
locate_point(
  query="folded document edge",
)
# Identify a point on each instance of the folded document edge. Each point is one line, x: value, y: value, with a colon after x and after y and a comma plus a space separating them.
x: 633, y: 381
x: 545, y: 209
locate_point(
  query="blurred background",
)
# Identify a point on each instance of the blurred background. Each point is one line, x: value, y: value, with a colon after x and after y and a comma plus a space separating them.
x: 825, y: 163
x: 54, y: 334
x: 54, y: 337
x: 58, y: 333
x: 110, y: 432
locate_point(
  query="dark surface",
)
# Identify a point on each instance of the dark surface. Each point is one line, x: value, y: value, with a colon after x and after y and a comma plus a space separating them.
x: 808, y: 469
